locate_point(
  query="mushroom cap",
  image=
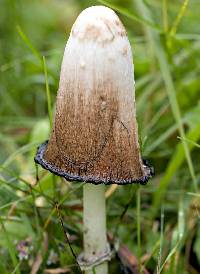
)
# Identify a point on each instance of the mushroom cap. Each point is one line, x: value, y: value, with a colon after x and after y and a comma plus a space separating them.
x: 99, y: 24
x: 95, y: 135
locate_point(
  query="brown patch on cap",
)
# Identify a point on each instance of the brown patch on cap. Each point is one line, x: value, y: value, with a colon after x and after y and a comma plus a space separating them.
x: 93, y: 143
x: 92, y: 32
x: 101, y: 29
x: 125, y: 51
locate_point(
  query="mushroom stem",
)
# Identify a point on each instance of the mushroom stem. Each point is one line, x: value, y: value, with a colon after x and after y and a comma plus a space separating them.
x: 94, y: 219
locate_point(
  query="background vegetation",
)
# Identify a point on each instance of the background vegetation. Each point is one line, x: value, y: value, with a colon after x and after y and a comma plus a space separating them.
x: 160, y: 224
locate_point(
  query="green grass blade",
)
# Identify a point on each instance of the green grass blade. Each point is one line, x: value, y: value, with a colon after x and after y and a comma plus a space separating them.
x: 165, y: 16
x: 176, y: 160
x: 161, y: 239
x: 16, y: 268
x: 190, y: 142
x: 129, y: 14
x: 174, y: 249
x: 11, y: 248
x: 48, y: 94
x: 179, y: 17
x: 15, y: 202
x: 181, y: 219
x: 193, y: 194
x: 19, y: 151
x: 29, y: 44
x: 160, y: 139
x: 153, y: 251
x: 139, y: 229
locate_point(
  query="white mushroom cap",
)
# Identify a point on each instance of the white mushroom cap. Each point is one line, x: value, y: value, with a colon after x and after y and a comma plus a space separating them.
x: 95, y: 131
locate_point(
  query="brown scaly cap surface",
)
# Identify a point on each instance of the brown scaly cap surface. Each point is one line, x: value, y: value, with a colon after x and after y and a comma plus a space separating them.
x: 94, y: 138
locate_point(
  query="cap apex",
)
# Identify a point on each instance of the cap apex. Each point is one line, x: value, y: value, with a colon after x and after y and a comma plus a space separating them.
x: 98, y: 23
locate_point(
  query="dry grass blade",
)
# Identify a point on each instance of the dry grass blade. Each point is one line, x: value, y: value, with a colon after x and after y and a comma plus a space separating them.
x: 57, y: 270
x: 39, y: 258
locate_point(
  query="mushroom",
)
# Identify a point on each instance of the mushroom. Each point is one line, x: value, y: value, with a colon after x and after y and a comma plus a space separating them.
x: 95, y: 136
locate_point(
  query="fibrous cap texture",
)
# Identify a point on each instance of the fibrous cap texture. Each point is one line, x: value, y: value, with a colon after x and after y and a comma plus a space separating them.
x: 95, y: 136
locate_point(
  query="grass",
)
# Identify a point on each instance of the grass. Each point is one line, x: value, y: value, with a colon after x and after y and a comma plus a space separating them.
x: 10, y: 247
x: 139, y: 230
x: 48, y: 93
x: 158, y: 223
